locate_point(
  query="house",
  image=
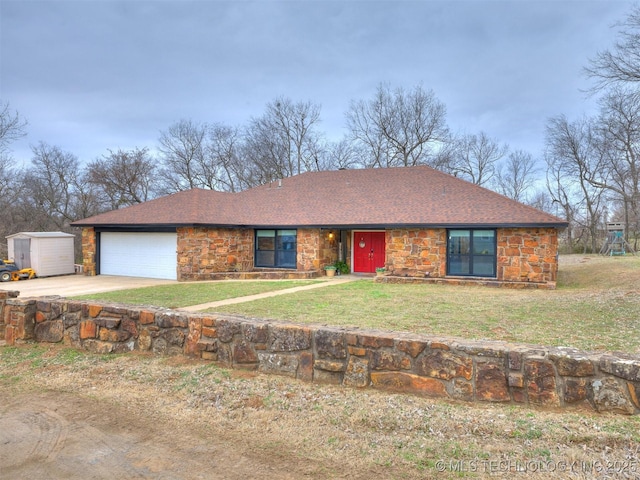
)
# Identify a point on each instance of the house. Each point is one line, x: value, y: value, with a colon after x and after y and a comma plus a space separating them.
x: 416, y: 222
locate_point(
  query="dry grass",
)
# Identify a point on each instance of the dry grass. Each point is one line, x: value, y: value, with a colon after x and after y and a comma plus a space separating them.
x: 337, y: 432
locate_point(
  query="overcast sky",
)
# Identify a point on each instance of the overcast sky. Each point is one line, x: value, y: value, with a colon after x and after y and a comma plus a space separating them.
x: 93, y: 75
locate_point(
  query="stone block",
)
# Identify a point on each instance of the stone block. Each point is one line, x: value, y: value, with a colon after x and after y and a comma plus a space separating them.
x: 96, y: 346
x: 483, y: 349
x: 329, y: 365
x: 88, y: 329
x: 491, y: 383
x: 146, y: 317
x: 575, y: 390
x: 209, y: 332
x: 144, y: 341
x: 386, y: 360
x: 357, y: 373
x: 462, y: 390
x: 243, y: 353
x: 305, y: 367
x: 129, y: 325
x: 289, y: 338
x: 107, y: 335
x: 412, y: 347
x: 357, y: 351
x: 227, y: 328
x: 540, y: 382
x: 330, y: 344
x: 634, y: 392
x: 444, y: 364
x: 51, y: 332
x: 108, y: 322
x: 608, y: 396
x: 94, y: 310
x: 627, y: 368
x: 255, y: 332
x: 278, y: 363
x: 515, y: 380
x: 571, y: 363
x: 171, y: 320
x: 408, y: 383
x: 374, y: 341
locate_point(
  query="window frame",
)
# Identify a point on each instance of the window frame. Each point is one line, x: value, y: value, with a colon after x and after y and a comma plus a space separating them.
x: 474, y: 260
x: 283, y: 251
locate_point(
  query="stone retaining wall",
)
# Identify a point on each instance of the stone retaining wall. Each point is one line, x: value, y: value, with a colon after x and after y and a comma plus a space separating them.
x: 473, y: 371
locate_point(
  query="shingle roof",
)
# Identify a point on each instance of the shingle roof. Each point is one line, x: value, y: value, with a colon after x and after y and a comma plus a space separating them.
x: 384, y: 197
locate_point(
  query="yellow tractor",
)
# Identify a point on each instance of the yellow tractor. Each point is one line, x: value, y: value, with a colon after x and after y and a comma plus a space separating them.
x: 10, y: 272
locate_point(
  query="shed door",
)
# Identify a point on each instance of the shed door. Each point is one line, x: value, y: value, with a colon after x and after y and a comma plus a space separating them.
x: 22, y: 252
x: 368, y: 251
x: 140, y: 254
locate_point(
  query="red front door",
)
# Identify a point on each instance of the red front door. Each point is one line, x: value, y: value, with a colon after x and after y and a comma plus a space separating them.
x: 368, y: 251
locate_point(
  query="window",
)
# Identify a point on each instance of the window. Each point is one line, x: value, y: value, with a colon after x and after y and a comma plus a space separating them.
x: 276, y: 248
x: 471, y: 252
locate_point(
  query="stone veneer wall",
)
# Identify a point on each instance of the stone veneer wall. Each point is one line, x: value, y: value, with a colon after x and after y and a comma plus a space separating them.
x: 204, y: 252
x: 89, y: 251
x: 473, y: 371
x: 524, y: 255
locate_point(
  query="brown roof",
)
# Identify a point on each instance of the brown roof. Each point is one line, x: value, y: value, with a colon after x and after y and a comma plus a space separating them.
x: 383, y: 197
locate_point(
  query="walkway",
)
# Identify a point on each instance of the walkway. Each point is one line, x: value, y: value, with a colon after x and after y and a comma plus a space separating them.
x: 231, y: 301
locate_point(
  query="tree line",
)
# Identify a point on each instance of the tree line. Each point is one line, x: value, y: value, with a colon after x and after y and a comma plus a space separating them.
x: 589, y: 173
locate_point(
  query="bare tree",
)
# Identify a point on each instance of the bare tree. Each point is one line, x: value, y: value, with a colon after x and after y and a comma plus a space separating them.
x: 182, y: 149
x: 619, y: 141
x: 49, y: 188
x: 124, y: 177
x: 517, y: 175
x: 342, y: 154
x: 222, y: 159
x: 574, y: 159
x: 398, y: 128
x: 621, y: 64
x: 12, y: 127
x: 282, y: 142
x: 475, y: 158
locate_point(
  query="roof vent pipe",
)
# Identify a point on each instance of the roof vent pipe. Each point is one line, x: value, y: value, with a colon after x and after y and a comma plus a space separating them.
x: 280, y: 183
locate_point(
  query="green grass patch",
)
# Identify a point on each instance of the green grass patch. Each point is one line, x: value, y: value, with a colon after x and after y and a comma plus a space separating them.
x: 182, y: 295
x: 596, y: 306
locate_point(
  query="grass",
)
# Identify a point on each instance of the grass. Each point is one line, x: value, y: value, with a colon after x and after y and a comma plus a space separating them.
x: 596, y: 306
x: 368, y: 433
x: 176, y: 296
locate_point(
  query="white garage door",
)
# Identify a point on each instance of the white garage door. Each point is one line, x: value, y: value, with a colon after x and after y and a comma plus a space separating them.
x: 151, y: 255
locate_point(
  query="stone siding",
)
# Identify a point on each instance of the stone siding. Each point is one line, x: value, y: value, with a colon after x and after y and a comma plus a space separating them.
x: 471, y: 371
x: 524, y: 255
x: 528, y: 255
x: 205, y: 252
x: 89, y: 251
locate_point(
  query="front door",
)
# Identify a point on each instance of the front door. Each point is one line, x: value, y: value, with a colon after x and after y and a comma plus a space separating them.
x: 368, y: 251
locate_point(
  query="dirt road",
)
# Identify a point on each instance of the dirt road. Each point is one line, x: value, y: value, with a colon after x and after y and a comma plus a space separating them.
x: 53, y: 435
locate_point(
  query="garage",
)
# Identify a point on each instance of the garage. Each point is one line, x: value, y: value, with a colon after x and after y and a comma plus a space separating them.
x: 139, y: 254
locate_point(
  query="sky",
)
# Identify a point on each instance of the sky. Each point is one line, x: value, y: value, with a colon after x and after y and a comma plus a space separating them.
x: 96, y: 75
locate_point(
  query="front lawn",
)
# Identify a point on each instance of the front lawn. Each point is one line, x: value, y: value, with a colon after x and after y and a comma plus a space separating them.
x: 195, y: 293
x: 595, y: 307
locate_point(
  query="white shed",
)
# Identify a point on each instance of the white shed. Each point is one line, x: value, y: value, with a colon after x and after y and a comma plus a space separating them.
x: 48, y: 253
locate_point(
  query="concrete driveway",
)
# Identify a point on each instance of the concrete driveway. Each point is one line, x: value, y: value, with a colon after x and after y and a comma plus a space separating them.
x: 70, y: 285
